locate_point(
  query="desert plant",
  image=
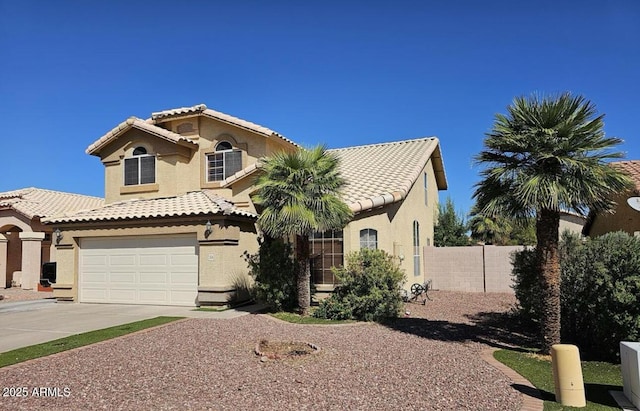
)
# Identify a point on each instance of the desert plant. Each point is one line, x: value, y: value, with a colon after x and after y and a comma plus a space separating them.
x: 273, y: 269
x: 547, y: 155
x: 300, y: 194
x: 369, y: 289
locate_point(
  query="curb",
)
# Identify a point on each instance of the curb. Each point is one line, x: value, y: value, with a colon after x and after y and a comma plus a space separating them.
x: 19, y: 305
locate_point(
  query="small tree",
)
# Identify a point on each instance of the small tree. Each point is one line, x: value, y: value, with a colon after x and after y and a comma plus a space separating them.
x: 300, y: 194
x: 450, y: 230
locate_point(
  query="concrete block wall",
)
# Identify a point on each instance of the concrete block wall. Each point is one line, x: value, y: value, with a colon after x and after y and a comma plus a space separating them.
x: 470, y: 269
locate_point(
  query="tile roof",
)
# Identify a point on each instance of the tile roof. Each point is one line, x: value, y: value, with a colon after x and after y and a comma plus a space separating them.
x: 202, y: 109
x: 380, y: 174
x: 36, y: 202
x: 190, y: 204
x: 632, y: 168
x: 134, y: 122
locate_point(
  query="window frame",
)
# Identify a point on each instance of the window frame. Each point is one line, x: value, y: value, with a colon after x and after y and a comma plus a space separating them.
x: 222, y: 153
x: 318, y: 243
x: 137, y: 157
x: 368, y: 243
x: 416, y: 249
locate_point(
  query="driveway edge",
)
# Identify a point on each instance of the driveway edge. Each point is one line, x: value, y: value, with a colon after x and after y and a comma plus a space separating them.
x: 94, y: 344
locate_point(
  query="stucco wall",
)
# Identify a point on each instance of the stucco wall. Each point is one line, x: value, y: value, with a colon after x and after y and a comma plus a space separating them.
x: 624, y: 219
x: 394, y: 224
x: 470, y: 269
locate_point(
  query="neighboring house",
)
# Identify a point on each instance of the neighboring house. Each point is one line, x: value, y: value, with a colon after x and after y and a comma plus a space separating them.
x: 178, y: 214
x: 571, y: 222
x: 25, y: 242
x: 623, y: 218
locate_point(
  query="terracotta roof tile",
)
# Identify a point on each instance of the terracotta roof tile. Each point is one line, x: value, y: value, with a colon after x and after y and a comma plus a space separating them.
x: 36, y: 202
x: 134, y: 122
x: 202, y: 109
x: 189, y: 204
x: 632, y: 168
x: 379, y: 174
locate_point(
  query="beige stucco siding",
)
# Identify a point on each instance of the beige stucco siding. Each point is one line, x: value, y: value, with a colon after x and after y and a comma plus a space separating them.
x: 624, y: 219
x: 394, y: 224
x: 221, y: 261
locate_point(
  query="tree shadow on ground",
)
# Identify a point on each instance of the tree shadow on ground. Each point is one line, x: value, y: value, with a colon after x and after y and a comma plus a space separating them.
x: 498, y: 330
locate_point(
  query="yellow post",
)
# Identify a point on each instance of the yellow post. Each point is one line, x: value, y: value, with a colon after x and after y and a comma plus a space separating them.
x: 567, y: 375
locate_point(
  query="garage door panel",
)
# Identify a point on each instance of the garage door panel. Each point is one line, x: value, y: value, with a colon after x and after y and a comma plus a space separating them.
x: 153, y: 259
x: 154, y: 278
x: 158, y: 270
x: 126, y: 260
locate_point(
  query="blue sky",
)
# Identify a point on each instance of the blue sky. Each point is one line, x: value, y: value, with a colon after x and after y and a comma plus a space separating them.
x: 335, y: 72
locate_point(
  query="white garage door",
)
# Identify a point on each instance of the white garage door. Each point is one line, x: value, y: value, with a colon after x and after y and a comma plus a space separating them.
x: 141, y: 270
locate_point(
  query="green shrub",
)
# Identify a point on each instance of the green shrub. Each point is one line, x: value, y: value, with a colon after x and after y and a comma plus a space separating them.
x: 369, y: 289
x: 526, y: 284
x: 273, y: 269
x: 600, y: 292
x: 601, y: 295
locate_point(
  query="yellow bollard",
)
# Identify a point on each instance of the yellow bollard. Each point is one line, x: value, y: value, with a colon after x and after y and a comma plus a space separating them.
x: 567, y: 375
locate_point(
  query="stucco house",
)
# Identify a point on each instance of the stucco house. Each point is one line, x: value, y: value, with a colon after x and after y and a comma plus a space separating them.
x: 178, y: 213
x: 25, y: 242
x: 624, y: 217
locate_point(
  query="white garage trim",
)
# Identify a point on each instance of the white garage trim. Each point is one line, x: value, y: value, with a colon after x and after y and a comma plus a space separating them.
x: 160, y: 270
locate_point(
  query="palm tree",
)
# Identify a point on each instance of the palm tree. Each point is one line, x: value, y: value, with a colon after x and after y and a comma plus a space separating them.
x: 299, y: 193
x: 545, y: 156
x: 488, y: 229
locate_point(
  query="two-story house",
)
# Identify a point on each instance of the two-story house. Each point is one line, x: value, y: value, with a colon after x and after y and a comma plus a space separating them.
x: 178, y: 214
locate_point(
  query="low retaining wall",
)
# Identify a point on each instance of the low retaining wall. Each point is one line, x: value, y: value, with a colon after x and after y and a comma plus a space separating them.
x: 472, y: 269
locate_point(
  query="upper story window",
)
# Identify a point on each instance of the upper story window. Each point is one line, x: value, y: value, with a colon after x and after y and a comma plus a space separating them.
x: 224, y: 162
x: 369, y: 238
x: 140, y: 168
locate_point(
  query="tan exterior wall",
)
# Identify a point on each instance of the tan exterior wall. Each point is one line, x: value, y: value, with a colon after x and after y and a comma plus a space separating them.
x: 624, y: 219
x: 180, y: 169
x: 470, y: 269
x: 394, y: 224
x: 221, y: 261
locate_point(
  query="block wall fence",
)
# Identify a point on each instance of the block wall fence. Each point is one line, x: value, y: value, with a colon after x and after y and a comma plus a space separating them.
x: 471, y: 269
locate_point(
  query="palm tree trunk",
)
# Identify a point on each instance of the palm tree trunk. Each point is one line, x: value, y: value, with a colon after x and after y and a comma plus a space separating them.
x: 304, y: 274
x: 547, y: 226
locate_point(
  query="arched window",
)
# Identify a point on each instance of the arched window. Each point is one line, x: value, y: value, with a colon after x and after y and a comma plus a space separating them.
x: 416, y: 248
x: 369, y: 238
x: 224, y: 162
x: 140, y: 168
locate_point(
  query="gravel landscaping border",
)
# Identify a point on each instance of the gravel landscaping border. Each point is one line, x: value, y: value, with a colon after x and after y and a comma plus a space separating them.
x: 430, y: 360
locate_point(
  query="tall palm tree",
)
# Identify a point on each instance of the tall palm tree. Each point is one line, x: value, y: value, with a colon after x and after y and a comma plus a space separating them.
x: 299, y: 193
x: 547, y: 155
x: 487, y: 228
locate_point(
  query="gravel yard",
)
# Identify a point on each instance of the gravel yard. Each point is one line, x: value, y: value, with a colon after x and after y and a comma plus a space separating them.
x: 427, y: 361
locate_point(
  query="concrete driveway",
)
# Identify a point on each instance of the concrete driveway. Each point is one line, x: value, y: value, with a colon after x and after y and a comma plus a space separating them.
x: 34, y: 322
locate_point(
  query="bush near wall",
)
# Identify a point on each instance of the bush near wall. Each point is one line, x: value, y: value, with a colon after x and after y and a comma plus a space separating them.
x: 600, y: 292
x: 273, y: 269
x: 369, y: 289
